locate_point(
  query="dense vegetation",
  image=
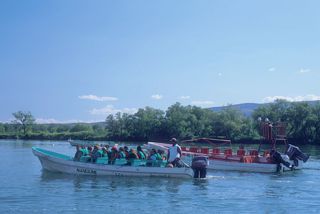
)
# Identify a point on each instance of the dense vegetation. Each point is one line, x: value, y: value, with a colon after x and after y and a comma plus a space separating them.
x: 182, y: 122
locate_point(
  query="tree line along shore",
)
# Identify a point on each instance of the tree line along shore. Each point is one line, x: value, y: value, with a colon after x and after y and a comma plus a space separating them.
x: 301, y: 119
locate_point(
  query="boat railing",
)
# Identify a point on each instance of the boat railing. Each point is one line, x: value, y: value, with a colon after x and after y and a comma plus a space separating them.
x: 102, y: 160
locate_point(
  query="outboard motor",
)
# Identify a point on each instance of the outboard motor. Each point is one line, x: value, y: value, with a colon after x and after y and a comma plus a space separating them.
x: 199, y: 166
x: 296, y: 154
x: 277, y: 158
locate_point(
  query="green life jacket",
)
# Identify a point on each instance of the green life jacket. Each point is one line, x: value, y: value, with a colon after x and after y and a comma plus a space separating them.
x: 158, y: 156
x: 122, y: 154
x: 142, y: 156
x: 100, y: 151
x: 84, y: 152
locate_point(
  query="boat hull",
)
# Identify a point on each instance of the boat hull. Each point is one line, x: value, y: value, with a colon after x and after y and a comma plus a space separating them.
x: 215, y: 164
x: 243, y: 167
x: 63, y: 165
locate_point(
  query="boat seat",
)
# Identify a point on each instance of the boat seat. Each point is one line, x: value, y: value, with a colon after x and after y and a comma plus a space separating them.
x: 162, y: 163
x: 266, y: 153
x: 156, y: 163
x: 184, y: 149
x: 121, y: 161
x: 103, y: 160
x: 241, y: 152
x: 85, y: 158
x: 254, y: 152
x: 263, y: 159
x: 228, y: 152
x: 215, y: 151
x: 247, y: 159
x: 137, y: 162
x: 234, y: 158
x: 205, y: 150
x: 195, y: 150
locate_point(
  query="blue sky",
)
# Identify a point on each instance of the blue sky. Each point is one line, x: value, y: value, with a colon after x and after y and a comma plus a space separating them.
x: 82, y: 60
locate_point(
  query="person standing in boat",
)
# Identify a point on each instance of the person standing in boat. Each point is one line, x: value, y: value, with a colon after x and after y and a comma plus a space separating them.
x: 174, y: 153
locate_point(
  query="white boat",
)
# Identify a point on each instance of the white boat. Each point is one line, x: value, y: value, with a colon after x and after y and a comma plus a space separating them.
x: 56, y: 162
x: 249, y: 161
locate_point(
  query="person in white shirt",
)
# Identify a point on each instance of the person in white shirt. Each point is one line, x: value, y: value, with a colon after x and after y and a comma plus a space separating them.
x: 174, y: 153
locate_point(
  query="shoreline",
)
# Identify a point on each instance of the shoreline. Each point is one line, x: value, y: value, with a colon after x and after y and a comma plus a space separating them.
x: 244, y: 142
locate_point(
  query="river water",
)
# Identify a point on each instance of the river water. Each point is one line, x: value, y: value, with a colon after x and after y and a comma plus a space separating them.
x: 26, y: 188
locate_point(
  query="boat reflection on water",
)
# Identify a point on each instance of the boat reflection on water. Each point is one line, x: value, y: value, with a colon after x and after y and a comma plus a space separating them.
x: 111, y: 183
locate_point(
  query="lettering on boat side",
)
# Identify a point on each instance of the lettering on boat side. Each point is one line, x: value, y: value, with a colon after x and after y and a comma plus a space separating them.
x: 117, y: 174
x: 87, y: 171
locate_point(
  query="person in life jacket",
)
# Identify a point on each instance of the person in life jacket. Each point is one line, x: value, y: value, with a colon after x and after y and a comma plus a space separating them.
x: 90, y: 149
x: 96, y: 153
x: 152, y: 157
x: 141, y: 153
x: 84, y: 150
x: 106, y: 152
x: 126, y: 151
x: 122, y: 153
x: 162, y: 154
x: 133, y: 154
x: 174, y: 153
x: 113, y: 155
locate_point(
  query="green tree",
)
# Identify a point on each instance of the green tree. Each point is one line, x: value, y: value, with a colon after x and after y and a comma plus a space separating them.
x: 316, y: 118
x: 62, y: 128
x: 114, y: 126
x: 128, y: 124
x: 98, y: 129
x: 2, y: 128
x: 147, y: 123
x: 276, y: 111
x: 300, y: 121
x: 24, y: 121
x: 181, y: 121
x: 230, y: 123
x: 81, y: 128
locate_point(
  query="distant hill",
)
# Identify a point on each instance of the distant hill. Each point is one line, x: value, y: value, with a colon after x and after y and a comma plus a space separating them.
x: 248, y: 108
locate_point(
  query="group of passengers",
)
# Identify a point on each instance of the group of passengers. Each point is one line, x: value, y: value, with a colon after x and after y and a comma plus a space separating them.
x: 116, y: 153
x: 93, y: 153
